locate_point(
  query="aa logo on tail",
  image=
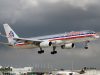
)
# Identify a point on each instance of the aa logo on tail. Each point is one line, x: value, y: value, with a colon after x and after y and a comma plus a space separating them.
x: 11, y: 34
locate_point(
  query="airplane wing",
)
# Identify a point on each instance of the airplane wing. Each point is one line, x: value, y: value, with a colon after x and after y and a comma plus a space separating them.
x: 28, y: 40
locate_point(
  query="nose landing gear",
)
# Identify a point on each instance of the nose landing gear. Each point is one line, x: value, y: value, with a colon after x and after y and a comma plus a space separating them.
x: 86, y: 44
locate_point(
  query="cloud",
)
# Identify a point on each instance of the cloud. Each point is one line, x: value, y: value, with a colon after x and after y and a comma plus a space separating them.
x: 81, y: 3
x: 13, y: 11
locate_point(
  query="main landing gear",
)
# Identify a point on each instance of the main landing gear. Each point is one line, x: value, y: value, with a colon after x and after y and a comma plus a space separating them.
x: 41, y: 51
x: 54, y: 52
x: 86, y: 47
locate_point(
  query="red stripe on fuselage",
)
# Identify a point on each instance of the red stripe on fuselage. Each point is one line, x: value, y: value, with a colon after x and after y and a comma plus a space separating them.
x: 20, y: 44
x: 72, y: 37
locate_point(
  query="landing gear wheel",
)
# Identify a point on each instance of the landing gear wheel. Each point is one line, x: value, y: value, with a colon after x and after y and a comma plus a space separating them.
x: 86, y: 47
x: 40, y: 52
x: 86, y: 44
x: 53, y: 52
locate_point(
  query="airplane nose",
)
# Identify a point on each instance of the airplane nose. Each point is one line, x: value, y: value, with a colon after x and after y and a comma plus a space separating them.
x: 97, y: 36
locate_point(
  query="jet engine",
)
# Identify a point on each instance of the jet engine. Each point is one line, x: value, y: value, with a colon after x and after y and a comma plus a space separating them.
x: 45, y: 44
x: 68, y: 46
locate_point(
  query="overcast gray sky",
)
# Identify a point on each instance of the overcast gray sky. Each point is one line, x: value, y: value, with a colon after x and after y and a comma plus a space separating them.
x: 30, y: 18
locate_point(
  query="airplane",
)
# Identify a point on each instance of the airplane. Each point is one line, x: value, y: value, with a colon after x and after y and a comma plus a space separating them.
x: 64, y: 40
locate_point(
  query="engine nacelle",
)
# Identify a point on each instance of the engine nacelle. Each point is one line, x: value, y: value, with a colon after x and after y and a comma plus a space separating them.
x: 48, y: 43
x: 68, y: 46
x: 45, y: 44
x: 56, y: 42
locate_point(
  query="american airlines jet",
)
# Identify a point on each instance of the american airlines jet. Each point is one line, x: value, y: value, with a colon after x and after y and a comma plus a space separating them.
x: 64, y: 40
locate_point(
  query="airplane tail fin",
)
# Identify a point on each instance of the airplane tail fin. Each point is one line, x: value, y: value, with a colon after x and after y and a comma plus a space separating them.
x: 10, y: 33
